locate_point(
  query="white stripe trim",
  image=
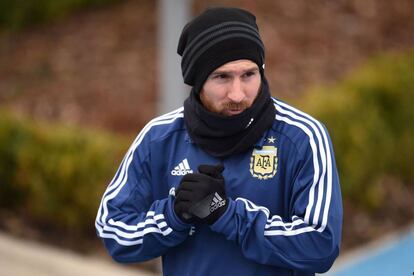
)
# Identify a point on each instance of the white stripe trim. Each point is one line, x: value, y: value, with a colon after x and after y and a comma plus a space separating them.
x: 328, y: 158
x: 322, y: 176
x: 119, y: 176
x: 115, y: 237
x: 287, y: 225
x: 142, y: 224
x: 115, y: 181
x: 315, y: 162
x: 120, y: 181
x: 130, y: 242
x: 138, y: 234
x: 287, y: 232
x: 250, y: 206
x: 117, y: 184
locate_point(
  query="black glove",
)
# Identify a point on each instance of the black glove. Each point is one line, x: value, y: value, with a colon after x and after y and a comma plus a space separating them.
x: 201, y: 197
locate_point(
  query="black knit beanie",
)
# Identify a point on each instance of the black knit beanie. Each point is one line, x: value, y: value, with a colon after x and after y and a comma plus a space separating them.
x: 215, y: 37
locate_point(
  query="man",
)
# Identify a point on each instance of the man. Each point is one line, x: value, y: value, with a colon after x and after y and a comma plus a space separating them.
x: 233, y: 183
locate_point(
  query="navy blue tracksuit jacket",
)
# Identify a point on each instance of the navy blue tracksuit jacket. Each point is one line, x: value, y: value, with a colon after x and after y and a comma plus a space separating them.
x: 284, y: 215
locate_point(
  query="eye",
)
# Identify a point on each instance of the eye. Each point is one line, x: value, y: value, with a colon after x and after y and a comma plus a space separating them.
x: 220, y: 76
x: 249, y: 74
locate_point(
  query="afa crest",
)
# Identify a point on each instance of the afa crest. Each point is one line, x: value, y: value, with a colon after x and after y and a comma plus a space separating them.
x: 263, y: 163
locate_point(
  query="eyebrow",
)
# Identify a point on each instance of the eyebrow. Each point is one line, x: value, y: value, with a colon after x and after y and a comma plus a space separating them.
x: 219, y: 72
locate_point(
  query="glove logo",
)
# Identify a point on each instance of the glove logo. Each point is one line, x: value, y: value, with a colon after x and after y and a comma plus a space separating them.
x: 263, y: 162
x: 217, y: 202
x: 182, y: 168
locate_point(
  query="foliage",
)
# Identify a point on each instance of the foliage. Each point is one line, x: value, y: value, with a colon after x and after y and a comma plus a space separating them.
x: 16, y: 14
x: 55, y: 175
x: 370, y: 117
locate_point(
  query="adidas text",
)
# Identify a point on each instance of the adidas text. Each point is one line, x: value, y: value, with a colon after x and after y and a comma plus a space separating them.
x: 216, y: 203
x: 181, y: 172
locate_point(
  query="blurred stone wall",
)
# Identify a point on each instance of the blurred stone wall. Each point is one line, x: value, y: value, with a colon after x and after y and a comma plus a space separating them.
x: 99, y: 68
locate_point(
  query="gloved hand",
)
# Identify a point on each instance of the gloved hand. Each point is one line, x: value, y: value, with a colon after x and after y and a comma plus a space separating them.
x: 201, y: 197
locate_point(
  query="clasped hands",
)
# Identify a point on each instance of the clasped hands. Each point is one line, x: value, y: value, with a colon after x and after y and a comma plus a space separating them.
x: 201, y: 197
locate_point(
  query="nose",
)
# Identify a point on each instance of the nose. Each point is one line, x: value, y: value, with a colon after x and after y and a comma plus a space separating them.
x: 235, y: 93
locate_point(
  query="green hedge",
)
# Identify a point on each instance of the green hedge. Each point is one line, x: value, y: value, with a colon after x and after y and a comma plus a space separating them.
x: 16, y: 14
x: 55, y: 175
x: 370, y: 116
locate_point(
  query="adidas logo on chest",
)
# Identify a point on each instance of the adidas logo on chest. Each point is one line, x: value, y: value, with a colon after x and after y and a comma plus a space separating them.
x: 182, y: 168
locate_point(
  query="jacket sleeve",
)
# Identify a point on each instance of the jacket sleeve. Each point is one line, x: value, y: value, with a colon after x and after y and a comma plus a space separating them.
x: 134, y: 226
x: 309, y: 238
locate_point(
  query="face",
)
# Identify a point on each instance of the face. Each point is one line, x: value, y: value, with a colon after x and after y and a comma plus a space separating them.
x: 231, y: 88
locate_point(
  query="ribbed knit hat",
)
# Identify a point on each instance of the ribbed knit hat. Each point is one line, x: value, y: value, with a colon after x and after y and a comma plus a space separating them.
x: 215, y: 37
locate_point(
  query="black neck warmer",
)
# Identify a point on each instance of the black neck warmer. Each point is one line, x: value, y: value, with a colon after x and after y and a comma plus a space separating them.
x: 221, y: 136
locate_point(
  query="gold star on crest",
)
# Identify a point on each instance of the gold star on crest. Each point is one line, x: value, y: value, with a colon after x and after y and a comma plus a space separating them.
x: 271, y: 140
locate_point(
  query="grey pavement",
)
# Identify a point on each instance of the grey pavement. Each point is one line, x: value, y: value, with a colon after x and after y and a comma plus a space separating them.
x: 27, y: 258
